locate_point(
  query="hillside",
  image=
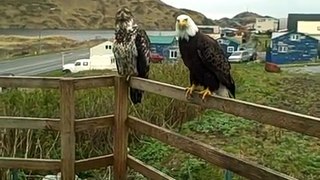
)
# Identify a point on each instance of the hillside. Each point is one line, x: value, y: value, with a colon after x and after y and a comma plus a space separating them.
x: 99, y: 14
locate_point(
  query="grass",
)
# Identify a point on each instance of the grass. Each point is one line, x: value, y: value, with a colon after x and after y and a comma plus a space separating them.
x: 21, y: 46
x: 288, y: 152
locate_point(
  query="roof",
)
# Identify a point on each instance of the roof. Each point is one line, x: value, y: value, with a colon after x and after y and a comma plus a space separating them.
x: 294, y: 18
x: 235, y: 40
x: 161, y: 39
x: 278, y: 34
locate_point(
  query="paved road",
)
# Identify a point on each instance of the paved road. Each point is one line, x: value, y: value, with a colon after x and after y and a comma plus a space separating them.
x: 34, y: 65
x: 305, y: 69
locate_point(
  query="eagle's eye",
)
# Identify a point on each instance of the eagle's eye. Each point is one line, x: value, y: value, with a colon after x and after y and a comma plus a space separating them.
x: 186, y: 19
x: 178, y: 20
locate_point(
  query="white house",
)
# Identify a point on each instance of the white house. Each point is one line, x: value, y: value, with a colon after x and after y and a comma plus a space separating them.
x: 102, y: 49
x: 264, y: 24
x: 102, y: 52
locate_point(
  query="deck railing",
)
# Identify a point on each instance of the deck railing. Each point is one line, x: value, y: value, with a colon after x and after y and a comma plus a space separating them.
x: 121, y: 122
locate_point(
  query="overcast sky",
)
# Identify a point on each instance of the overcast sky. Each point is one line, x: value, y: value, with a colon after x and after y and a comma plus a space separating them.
x: 217, y: 9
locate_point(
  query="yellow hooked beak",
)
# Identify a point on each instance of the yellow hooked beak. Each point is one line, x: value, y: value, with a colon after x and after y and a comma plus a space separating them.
x: 182, y: 23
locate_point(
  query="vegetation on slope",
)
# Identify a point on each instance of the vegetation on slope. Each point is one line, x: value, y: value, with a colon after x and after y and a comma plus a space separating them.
x: 288, y: 152
x: 98, y: 14
x: 17, y: 46
x: 83, y: 14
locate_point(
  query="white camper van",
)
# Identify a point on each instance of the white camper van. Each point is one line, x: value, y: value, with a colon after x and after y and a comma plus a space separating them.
x: 98, y: 62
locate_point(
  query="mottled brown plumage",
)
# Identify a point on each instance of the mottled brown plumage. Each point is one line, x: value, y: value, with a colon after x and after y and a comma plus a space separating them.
x: 131, y: 49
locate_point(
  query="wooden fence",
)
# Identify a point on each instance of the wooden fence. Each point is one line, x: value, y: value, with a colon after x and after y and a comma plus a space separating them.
x: 121, y: 122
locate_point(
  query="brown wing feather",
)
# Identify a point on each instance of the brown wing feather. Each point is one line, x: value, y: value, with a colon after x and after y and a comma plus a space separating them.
x: 212, y: 55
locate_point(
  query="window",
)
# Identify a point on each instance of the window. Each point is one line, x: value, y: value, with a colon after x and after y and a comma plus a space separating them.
x: 230, y: 49
x: 261, y: 20
x: 153, y: 50
x: 282, y: 49
x: 245, y: 53
x: 318, y: 28
x: 206, y: 30
x: 294, y: 37
x: 78, y: 64
x: 85, y: 63
x: 113, y: 60
x: 173, y: 54
x: 108, y: 47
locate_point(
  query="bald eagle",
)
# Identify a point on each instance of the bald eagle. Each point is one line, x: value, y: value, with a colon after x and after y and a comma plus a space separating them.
x: 131, y: 49
x: 208, y: 66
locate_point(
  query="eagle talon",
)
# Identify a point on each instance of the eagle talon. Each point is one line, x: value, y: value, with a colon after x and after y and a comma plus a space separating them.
x: 205, y: 93
x: 189, y: 91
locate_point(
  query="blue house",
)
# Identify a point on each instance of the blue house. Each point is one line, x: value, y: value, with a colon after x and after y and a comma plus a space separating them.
x: 228, y: 44
x: 288, y: 47
x: 166, y: 46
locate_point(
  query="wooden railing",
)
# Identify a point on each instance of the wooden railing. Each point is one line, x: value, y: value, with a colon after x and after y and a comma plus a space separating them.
x: 121, y: 122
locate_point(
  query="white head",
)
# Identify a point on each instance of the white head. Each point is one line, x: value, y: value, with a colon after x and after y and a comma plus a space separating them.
x: 185, y: 27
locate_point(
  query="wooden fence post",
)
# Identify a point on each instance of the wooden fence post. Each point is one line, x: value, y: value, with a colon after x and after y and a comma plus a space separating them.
x: 67, y: 118
x: 120, y: 129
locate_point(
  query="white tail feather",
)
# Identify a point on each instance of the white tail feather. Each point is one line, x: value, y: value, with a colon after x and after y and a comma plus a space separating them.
x: 223, y: 91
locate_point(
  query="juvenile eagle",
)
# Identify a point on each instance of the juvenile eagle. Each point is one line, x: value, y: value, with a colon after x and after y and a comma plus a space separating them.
x: 131, y: 50
x: 208, y: 66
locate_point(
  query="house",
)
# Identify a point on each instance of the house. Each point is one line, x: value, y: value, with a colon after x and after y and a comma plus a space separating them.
x: 103, y: 52
x: 305, y: 23
x: 166, y: 46
x: 283, y: 24
x: 288, y: 47
x: 229, y: 45
x: 102, y: 49
x: 266, y: 24
x: 212, y: 31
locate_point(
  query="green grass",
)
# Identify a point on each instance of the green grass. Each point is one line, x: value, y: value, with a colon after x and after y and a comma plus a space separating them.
x: 288, y: 152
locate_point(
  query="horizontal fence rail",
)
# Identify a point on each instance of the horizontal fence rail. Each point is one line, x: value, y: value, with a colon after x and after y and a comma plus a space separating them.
x: 94, y: 82
x: 94, y: 123
x: 54, y: 82
x: 54, y: 124
x: 29, y: 123
x: 146, y: 170
x: 29, y: 82
x: 30, y: 164
x: 280, y: 118
x: 94, y: 163
x: 206, y: 152
x: 55, y: 164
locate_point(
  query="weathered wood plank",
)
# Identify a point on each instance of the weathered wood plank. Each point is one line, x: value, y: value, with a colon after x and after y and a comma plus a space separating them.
x: 30, y: 164
x: 146, y: 170
x: 280, y: 118
x: 93, y: 123
x: 215, y: 156
x: 120, y: 129
x: 94, y: 82
x: 29, y: 123
x: 94, y: 163
x: 67, y: 110
x: 29, y: 82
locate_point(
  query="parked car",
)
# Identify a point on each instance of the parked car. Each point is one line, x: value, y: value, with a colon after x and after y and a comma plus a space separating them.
x: 253, y: 53
x: 156, y: 58
x: 239, y: 56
